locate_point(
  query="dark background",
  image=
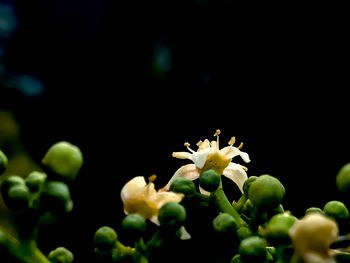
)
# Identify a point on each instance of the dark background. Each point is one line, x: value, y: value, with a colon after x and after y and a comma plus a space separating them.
x: 273, y: 76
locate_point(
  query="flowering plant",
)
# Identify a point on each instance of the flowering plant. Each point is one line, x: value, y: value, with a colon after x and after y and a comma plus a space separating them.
x: 253, y: 228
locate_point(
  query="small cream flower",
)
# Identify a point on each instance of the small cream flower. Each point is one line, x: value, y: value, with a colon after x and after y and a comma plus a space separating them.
x: 142, y: 198
x: 209, y: 156
x: 312, y: 237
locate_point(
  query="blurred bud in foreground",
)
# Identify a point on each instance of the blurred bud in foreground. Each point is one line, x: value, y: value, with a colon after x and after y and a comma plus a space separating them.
x: 172, y: 214
x: 224, y: 222
x: 61, y: 255
x: 3, y: 162
x: 64, y: 159
x: 253, y: 249
x: 343, y: 178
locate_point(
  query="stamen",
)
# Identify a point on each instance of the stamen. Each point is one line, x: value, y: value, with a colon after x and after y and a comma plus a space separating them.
x: 244, y: 168
x: 232, y: 141
x: 199, y: 143
x: 152, y: 178
x: 240, y: 146
x: 217, y: 133
x: 188, y: 147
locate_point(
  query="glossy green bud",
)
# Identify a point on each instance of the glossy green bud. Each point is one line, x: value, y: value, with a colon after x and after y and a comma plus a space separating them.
x: 247, y: 183
x: 64, y: 159
x: 182, y: 185
x: 105, y: 238
x: 224, y: 222
x: 35, y: 180
x: 278, y: 227
x: 343, y: 178
x: 336, y: 209
x: 243, y: 232
x: 314, y: 210
x: 172, y: 214
x: 253, y: 249
x: 134, y: 222
x: 209, y: 180
x: 3, y: 162
x: 266, y: 191
x: 61, y: 255
x: 56, y: 197
x: 11, y: 181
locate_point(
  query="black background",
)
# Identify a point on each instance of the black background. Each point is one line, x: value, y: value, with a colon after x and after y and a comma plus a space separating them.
x: 278, y: 82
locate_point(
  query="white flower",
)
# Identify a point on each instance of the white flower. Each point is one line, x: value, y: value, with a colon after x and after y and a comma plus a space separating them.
x: 209, y: 156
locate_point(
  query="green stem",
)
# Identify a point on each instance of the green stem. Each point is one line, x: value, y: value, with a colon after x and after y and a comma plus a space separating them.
x: 225, y: 206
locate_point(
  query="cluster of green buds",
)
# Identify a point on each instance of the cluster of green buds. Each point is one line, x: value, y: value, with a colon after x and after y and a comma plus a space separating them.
x: 40, y: 194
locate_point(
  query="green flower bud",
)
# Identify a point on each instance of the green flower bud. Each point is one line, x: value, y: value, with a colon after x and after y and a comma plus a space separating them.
x: 172, y: 214
x: 247, y: 183
x: 134, y: 222
x: 11, y: 181
x: 17, y: 197
x: 243, y: 232
x: 35, y: 180
x: 182, y: 185
x: 278, y: 226
x: 3, y: 162
x: 105, y: 238
x: 64, y: 159
x: 343, y: 178
x: 209, y: 180
x: 61, y: 255
x: 336, y: 209
x: 253, y: 249
x: 314, y: 210
x: 266, y: 191
x: 56, y: 198
x: 224, y: 222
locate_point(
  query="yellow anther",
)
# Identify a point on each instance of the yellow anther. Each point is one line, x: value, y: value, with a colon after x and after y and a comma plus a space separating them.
x: 240, y: 146
x: 187, y: 144
x: 244, y: 168
x: 199, y: 143
x: 232, y: 141
x: 217, y: 133
x: 152, y: 178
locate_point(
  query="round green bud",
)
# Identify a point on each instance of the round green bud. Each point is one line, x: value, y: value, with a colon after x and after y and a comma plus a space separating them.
x: 61, y: 255
x: 64, y: 159
x: 18, y: 197
x: 343, y: 178
x: 209, y: 180
x: 105, y: 238
x: 134, y: 222
x: 3, y: 162
x: 56, y: 197
x: 35, y: 180
x: 224, y: 222
x: 11, y: 181
x: 253, y: 249
x: 266, y: 191
x: 172, y: 214
x: 243, y: 232
x: 314, y: 210
x: 182, y: 185
x: 336, y: 209
x: 278, y: 227
x: 247, y: 183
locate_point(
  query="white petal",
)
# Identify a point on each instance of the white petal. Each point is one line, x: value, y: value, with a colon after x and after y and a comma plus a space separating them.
x: 184, y: 234
x: 188, y: 171
x: 244, y: 156
x: 199, y: 158
x: 154, y: 219
x: 230, y: 152
x: 236, y: 173
x: 182, y: 155
x: 203, y: 192
x: 133, y: 188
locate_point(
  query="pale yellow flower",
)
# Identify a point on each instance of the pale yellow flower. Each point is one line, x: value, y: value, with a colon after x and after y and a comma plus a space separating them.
x: 312, y: 237
x: 142, y: 198
x: 209, y: 156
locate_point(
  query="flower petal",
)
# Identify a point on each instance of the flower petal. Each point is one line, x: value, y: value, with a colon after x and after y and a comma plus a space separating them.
x: 230, y: 152
x: 203, y: 192
x: 133, y: 188
x: 188, y: 171
x: 236, y: 173
x: 199, y: 158
x: 164, y: 197
x: 184, y: 235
